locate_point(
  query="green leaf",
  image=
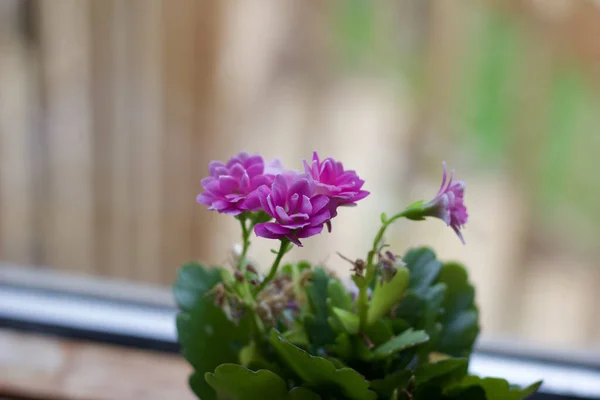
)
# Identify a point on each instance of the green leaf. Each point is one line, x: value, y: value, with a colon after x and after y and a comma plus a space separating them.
x: 398, y: 326
x: 335, y: 325
x: 424, y: 268
x: 319, y: 374
x: 380, y: 332
x: 252, y: 358
x: 339, y: 296
x: 317, y: 327
x: 411, y: 309
x: 436, y: 393
x: 297, y: 336
x: 460, y: 319
x: 433, y: 299
x: 383, y: 218
x: 498, y: 389
x: 342, y: 346
x: 193, y: 281
x: 300, y: 393
x: 207, y: 340
x: 234, y: 382
x: 387, y: 295
x: 348, y: 320
x: 391, y: 382
x: 292, y: 269
x: 336, y: 362
x: 441, y: 373
x: 405, y: 340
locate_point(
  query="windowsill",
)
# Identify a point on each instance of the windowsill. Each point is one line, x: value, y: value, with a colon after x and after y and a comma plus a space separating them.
x: 42, y: 367
x: 141, y: 316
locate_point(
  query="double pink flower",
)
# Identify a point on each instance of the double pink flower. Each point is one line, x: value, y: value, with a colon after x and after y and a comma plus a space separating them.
x: 227, y: 188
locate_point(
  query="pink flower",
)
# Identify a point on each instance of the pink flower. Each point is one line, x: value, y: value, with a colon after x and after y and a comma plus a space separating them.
x: 298, y: 210
x: 229, y: 185
x: 343, y: 186
x: 448, y: 204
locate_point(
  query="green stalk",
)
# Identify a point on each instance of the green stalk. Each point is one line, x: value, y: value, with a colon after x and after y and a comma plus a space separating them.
x: 363, y: 298
x: 274, y: 267
x: 246, y: 242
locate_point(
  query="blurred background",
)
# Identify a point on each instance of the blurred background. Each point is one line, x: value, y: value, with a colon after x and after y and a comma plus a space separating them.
x: 110, y: 111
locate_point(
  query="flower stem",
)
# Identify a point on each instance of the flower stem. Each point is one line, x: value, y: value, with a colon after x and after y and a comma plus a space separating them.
x: 363, y: 298
x: 274, y: 267
x: 246, y: 242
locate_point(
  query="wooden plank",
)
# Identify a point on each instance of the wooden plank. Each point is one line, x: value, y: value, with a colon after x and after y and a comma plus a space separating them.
x: 121, y: 241
x: 68, y: 230
x: 101, y: 55
x: 112, y: 137
x: 207, y: 135
x: 76, y: 370
x: 179, y: 124
x: 147, y: 137
x: 17, y: 113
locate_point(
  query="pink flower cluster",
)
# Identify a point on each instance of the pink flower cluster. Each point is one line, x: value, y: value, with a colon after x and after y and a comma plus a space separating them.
x: 300, y: 204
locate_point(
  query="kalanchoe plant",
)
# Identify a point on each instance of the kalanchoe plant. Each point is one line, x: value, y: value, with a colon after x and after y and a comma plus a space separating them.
x: 403, y: 327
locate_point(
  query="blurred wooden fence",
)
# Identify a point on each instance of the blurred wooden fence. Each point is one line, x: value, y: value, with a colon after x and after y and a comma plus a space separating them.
x: 106, y: 108
x: 110, y: 111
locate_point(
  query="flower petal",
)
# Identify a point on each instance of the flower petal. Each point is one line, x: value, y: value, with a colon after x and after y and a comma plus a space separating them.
x: 262, y: 231
x: 320, y: 218
x: 214, y: 167
x: 282, y: 216
x: 300, y: 186
x: 228, y: 184
x: 306, y: 206
x: 309, y: 231
x: 279, y: 190
x: 319, y: 202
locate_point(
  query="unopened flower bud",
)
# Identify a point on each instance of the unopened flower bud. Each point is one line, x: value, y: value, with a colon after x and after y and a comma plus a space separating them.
x: 251, y: 269
x: 238, y: 275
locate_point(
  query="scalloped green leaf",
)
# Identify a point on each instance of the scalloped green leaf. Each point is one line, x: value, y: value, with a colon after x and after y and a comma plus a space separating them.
x: 317, y: 326
x: 381, y: 331
x: 433, y: 298
x: 297, y: 335
x: 498, y: 389
x: 436, y: 393
x: 387, y: 295
x: 297, y: 268
x: 234, y: 382
x: 391, y: 382
x: 424, y: 268
x: 253, y: 358
x: 461, y: 318
x: 339, y: 295
x: 441, y: 373
x: 300, y: 393
x: 348, y: 320
x: 193, y: 281
x: 208, y: 338
x: 405, y: 340
x: 342, y: 346
x: 319, y: 374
